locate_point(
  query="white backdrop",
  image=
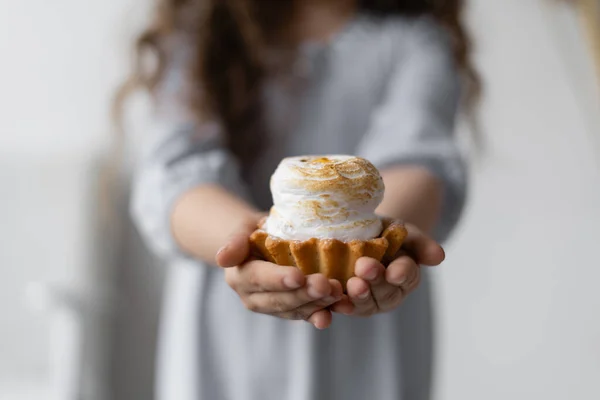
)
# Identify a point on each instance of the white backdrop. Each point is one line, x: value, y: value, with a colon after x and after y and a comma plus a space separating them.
x: 59, y: 65
x: 517, y: 297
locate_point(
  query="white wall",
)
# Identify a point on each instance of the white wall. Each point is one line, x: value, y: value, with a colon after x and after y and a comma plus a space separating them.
x: 518, y: 298
x: 59, y: 65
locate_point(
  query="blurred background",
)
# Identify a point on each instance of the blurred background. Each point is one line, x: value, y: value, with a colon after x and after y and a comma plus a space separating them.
x: 518, y: 299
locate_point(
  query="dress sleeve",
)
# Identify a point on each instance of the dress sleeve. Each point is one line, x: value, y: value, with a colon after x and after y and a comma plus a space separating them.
x: 414, y: 123
x: 179, y: 154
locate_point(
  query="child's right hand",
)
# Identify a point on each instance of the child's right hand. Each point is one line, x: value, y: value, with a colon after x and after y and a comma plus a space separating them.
x: 271, y: 289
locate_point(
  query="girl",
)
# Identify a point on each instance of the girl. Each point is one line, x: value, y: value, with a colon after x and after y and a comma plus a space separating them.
x: 240, y: 84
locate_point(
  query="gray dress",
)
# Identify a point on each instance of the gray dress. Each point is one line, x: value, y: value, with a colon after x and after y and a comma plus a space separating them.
x: 384, y: 89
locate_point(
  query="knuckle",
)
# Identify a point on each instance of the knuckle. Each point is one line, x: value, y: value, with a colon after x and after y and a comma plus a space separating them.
x: 365, y: 308
x: 390, y: 298
x: 298, y: 315
x: 277, y: 304
x: 416, y: 281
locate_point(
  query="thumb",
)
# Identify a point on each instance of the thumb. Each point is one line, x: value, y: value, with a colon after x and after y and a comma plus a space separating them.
x: 424, y: 249
x: 237, y: 248
x: 234, y: 252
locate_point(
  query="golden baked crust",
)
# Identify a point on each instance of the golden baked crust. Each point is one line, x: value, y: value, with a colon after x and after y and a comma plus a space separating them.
x: 331, y: 257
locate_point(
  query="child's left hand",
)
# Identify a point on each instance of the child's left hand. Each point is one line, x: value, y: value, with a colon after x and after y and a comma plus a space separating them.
x: 376, y: 289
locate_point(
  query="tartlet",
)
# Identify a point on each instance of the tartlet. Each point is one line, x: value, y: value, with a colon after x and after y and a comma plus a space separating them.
x: 323, y: 218
x: 331, y: 257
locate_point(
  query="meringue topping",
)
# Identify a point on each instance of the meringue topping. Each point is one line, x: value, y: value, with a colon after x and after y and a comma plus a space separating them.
x: 332, y: 196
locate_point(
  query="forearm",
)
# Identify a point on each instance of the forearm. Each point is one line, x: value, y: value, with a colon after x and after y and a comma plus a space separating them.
x: 203, y: 219
x: 413, y: 194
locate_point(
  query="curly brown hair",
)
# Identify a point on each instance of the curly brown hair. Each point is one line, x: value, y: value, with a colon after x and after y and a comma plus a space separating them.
x: 231, y: 38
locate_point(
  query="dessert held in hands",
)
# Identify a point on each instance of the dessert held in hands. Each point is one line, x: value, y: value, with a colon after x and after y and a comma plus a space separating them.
x: 323, y: 217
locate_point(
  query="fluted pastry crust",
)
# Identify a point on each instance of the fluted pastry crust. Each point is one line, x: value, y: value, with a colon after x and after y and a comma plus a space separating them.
x: 331, y: 257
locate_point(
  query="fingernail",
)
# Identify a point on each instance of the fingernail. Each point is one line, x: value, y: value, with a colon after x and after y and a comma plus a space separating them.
x: 291, y: 282
x: 364, y: 295
x: 318, y: 327
x: 371, y: 275
x: 222, y: 249
x: 400, y: 281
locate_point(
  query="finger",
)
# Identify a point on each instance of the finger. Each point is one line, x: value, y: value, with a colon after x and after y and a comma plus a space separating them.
x: 403, y: 272
x: 305, y: 311
x: 321, y: 319
x: 359, y: 293
x: 235, y: 251
x: 237, y: 248
x: 370, y: 270
x: 344, y: 306
x: 336, y: 287
x: 263, y: 276
x: 385, y: 295
x: 317, y: 288
x: 413, y: 282
x: 425, y: 250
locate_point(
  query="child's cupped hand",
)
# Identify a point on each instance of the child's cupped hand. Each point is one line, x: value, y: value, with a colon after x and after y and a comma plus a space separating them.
x: 375, y: 289
x: 271, y: 289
